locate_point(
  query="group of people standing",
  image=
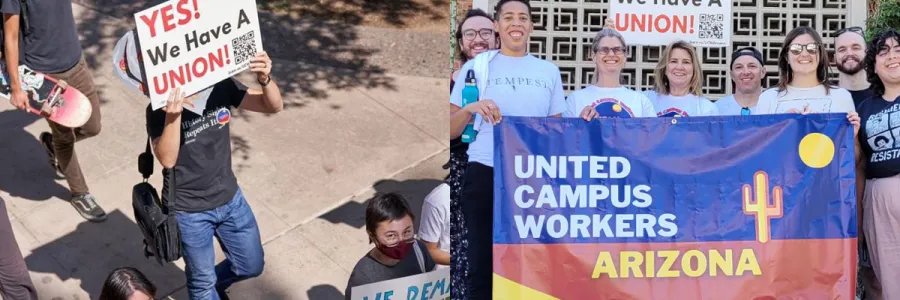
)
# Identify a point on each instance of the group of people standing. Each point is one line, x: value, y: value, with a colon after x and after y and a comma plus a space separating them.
x: 519, y: 84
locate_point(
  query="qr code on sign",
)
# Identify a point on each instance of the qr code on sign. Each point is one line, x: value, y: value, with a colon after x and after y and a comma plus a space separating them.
x: 244, y: 48
x: 712, y: 26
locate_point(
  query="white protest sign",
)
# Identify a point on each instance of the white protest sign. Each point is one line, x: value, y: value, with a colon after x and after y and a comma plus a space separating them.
x: 434, y: 285
x: 193, y: 44
x: 703, y: 23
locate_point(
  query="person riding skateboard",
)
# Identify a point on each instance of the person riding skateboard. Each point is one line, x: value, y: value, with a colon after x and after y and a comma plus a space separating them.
x: 41, y: 34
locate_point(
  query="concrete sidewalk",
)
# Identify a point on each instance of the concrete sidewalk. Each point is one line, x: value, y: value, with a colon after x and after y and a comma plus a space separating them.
x: 307, y: 173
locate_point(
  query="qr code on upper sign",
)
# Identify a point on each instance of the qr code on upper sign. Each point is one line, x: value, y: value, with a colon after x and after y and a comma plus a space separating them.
x: 244, y: 48
x: 712, y: 26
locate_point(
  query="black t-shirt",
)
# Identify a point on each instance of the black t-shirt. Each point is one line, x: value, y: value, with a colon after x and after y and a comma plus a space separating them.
x: 879, y: 136
x: 52, y: 45
x: 204, y: 179
x: 860, y: 96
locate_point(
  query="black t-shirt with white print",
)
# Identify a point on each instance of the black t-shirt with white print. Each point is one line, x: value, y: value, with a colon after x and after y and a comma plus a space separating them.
x: 204, y: 178
x: 879, y: 136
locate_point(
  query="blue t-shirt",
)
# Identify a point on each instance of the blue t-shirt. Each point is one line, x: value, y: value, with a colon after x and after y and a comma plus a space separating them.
x: 52, y: 46
x: 728, y: 106
x: 521, y: 86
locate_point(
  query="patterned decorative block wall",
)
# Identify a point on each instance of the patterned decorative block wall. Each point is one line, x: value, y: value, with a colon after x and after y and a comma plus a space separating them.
x: 564, y: 30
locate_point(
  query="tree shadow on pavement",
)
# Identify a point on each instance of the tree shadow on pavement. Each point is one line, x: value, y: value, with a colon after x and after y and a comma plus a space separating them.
x: 326, y: 51
x: 26, y: 172
x: 414, y: 191
x: 93, y: 250
x: 324, y: 292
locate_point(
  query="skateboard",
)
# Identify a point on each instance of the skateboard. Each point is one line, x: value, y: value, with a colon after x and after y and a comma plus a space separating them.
x: 48, y: 97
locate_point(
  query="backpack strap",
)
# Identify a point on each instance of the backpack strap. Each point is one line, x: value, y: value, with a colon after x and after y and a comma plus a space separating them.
x: 419, y: 256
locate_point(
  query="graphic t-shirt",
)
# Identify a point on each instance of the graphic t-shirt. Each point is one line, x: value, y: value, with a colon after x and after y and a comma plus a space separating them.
x: 688, y: 105
x: 52, y: 45
x: 772, y: 101
x: 204, y: 178
x: 860, y: 96
x: 435, y: 226
x: 728, y: 106
x: 521, y: 86
x: 879, y: 136
x: 369, y: 270
x: 618, y: 102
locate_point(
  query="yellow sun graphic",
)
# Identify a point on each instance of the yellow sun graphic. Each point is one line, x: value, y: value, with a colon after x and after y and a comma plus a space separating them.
x: 617, y: 108
x: 816, y: 150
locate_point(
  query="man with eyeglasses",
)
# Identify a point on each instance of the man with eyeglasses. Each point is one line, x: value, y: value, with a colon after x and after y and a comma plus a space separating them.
x: 747, y: 72
x: 849, y: 50
x: 474, y: 36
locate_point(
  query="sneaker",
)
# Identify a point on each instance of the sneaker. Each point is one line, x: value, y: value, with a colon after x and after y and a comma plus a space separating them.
x: 86, y: 205
x: 47, y: 143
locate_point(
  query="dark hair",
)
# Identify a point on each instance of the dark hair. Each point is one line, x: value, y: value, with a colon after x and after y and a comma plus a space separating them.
x: 475, y: 12
x: 123, y: 282
x: 386, y: 207
x: 786, y: 74
x: 871, y: 51
x: 503, y: 2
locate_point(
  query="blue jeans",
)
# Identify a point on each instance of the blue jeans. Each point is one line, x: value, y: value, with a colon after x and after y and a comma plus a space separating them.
x: 235, y: 227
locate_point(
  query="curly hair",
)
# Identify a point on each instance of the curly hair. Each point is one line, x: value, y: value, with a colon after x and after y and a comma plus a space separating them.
x: 872, y: 49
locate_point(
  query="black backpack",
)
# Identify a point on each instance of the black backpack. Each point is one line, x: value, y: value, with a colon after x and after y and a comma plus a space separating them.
x: 155, y: 216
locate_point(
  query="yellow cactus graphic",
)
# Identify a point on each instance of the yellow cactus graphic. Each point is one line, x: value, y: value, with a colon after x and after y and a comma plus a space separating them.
x: 761, y: 207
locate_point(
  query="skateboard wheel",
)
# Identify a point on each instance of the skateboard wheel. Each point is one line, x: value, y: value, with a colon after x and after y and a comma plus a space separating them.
x: 62, y: 85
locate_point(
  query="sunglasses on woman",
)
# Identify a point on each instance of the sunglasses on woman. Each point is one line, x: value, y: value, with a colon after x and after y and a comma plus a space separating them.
x: 811, y: 48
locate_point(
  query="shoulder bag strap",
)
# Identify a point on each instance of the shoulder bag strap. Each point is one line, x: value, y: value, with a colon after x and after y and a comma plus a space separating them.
x: 419, y: 256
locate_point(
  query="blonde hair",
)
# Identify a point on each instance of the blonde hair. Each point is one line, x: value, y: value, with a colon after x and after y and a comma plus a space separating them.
x: 661, y: 82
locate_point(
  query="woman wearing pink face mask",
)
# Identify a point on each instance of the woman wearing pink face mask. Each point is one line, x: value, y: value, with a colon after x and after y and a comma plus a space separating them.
x: 389, y: 223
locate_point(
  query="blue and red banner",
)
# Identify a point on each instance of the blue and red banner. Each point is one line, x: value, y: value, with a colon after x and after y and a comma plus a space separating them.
x: 752, y: 207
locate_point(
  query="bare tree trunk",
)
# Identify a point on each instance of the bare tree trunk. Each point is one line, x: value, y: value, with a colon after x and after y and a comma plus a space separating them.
x: 452, y: 34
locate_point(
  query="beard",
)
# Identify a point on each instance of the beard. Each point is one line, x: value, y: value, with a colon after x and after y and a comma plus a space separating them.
x: 470, y: 52
x: 850, y: 71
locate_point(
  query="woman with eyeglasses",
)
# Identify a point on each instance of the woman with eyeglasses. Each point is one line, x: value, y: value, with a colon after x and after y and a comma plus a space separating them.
x: 397, y: 254
x: 607, y: 98
x: 677, y: 86
x: 474, y: 36
x: 879, y: 140
x: 803, y: 79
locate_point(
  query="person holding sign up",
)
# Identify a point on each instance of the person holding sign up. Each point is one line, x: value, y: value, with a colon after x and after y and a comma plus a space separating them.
x: 511, y: 82
x: 677, y: 91
x: 49, y: 44
x: 197, y: 148
x: 607, y: 98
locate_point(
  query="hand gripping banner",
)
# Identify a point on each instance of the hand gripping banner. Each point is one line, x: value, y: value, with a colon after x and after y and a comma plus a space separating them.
x: 758, y: 207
